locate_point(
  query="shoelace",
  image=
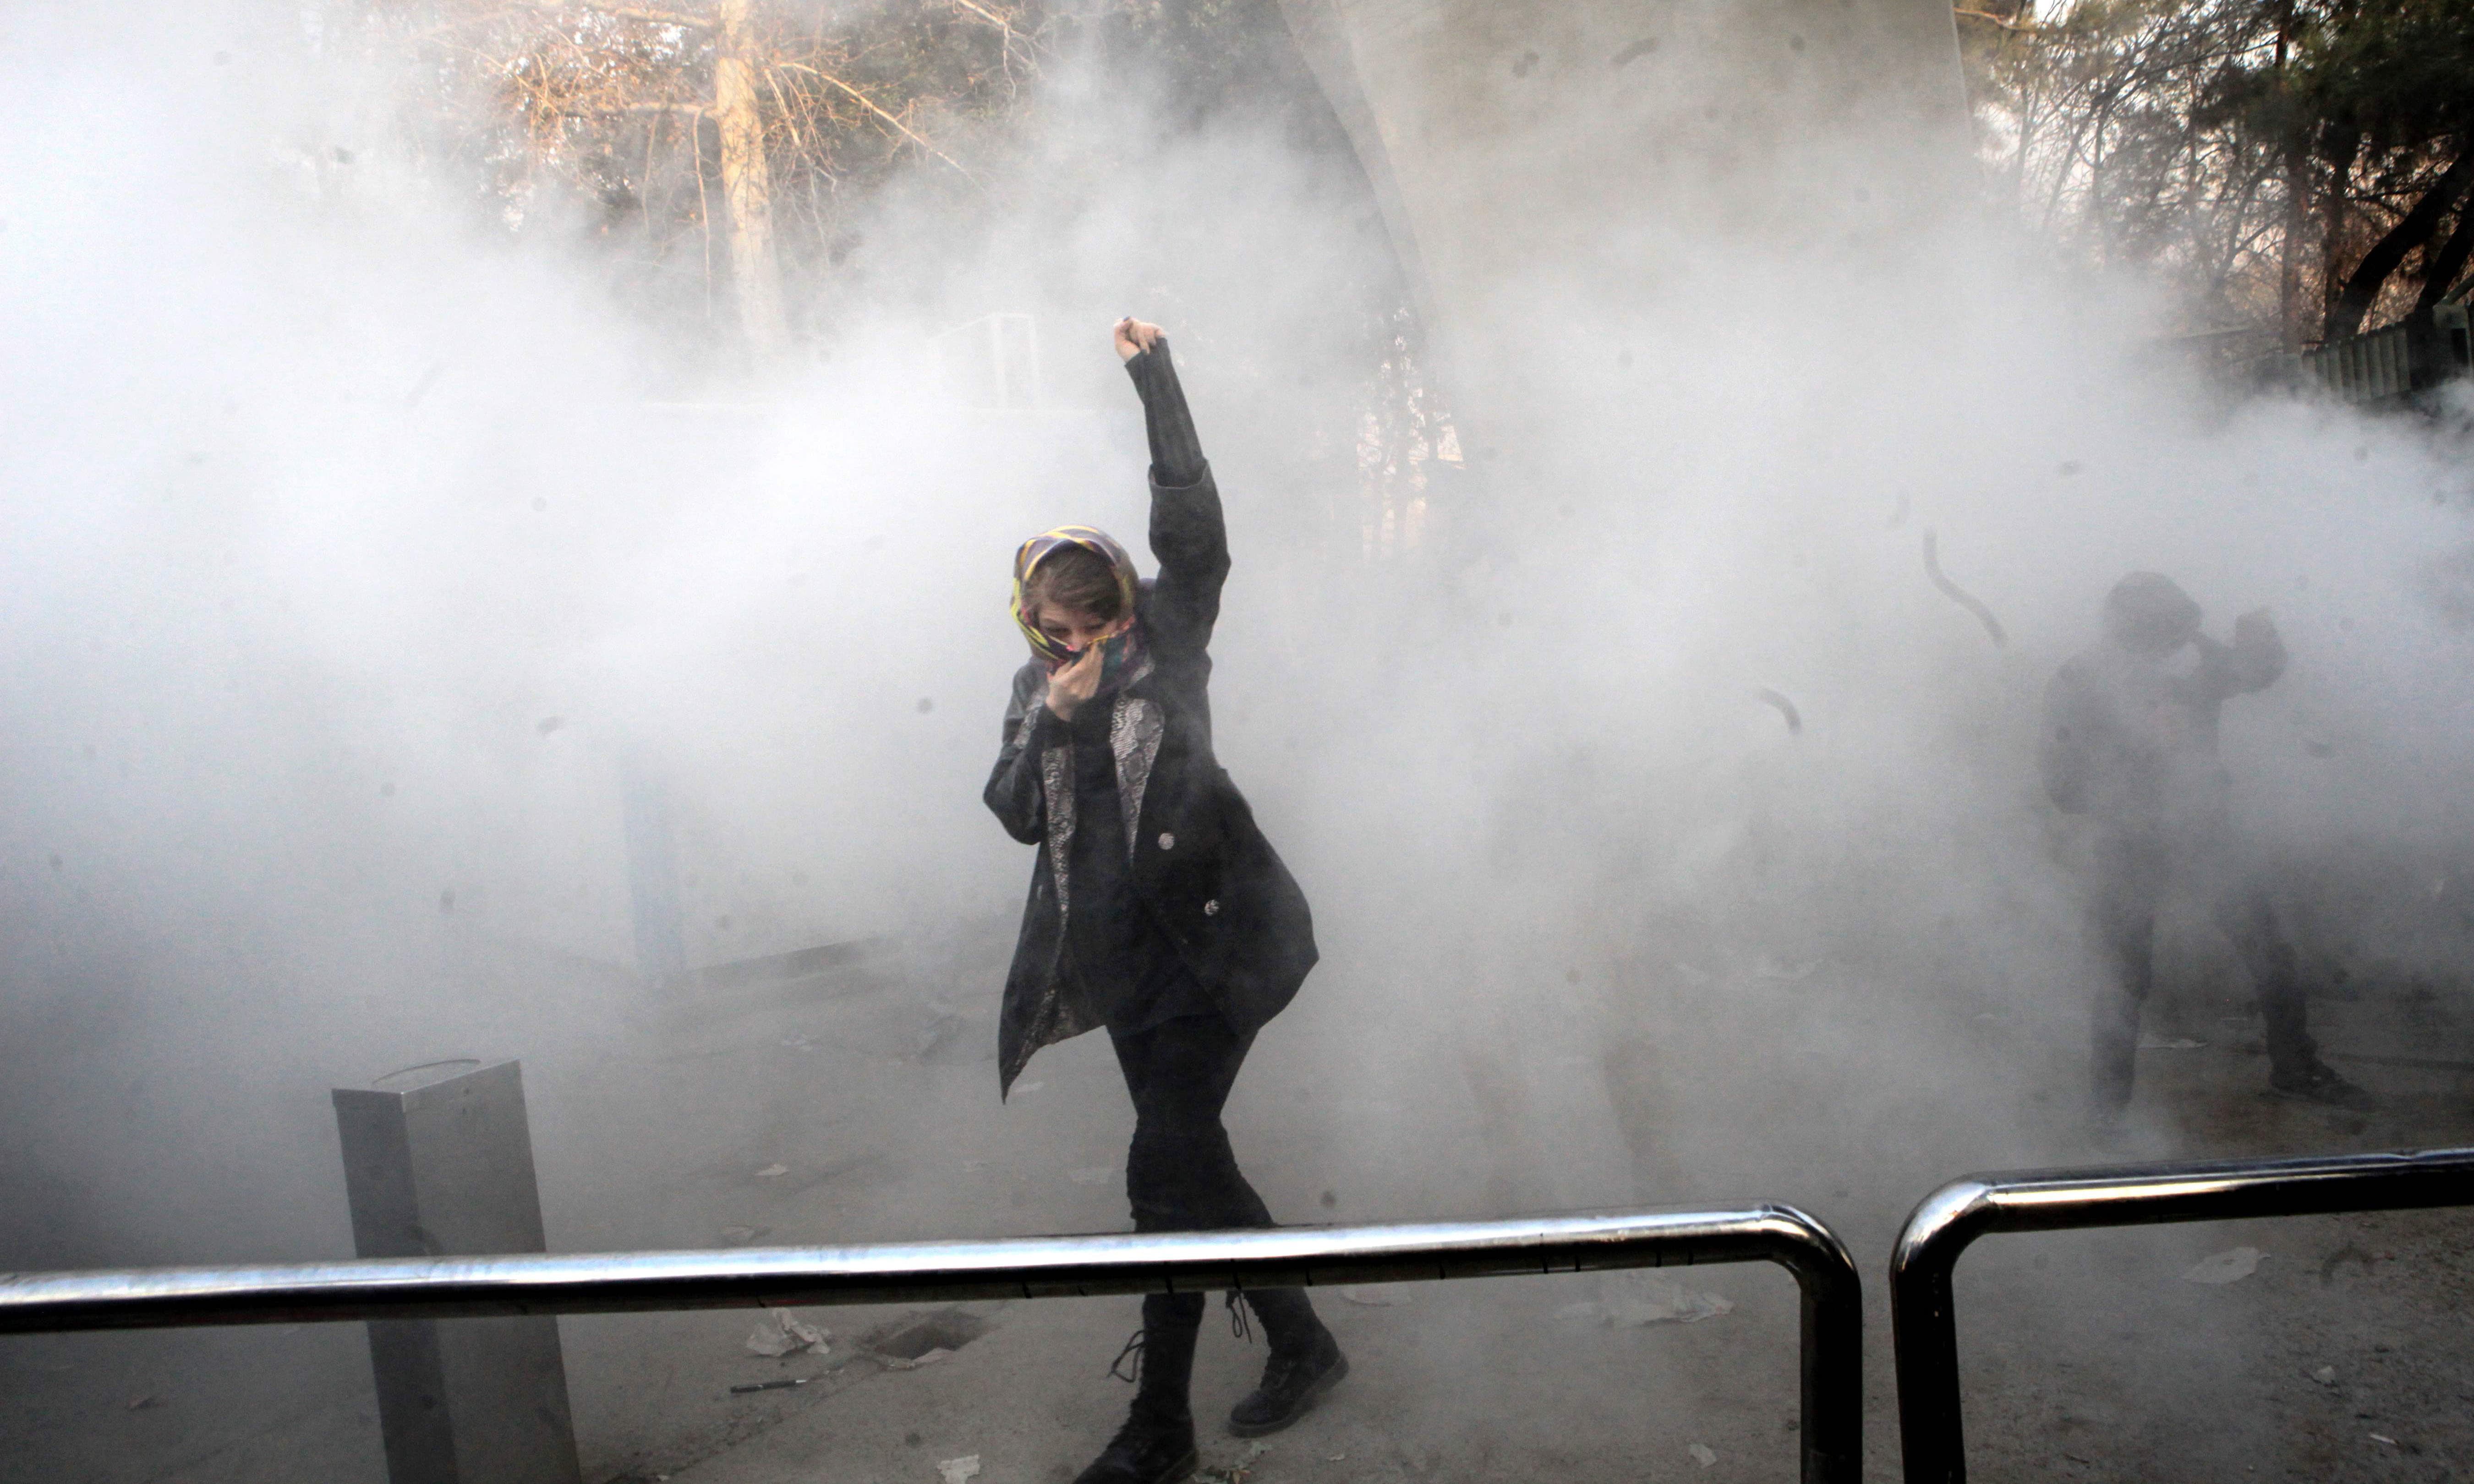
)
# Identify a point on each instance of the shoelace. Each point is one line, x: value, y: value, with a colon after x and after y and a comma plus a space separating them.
x: 1132, y: 1353
x: 1238, y: 1325
x: 1131, y: 1372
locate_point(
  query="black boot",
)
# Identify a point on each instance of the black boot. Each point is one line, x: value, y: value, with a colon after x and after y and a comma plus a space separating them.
x: 1305, y: 1364
x: 1146, y: 1450
x: 2319, y: 1082
x: 2294, y: 1068
x: 1156, y: 1444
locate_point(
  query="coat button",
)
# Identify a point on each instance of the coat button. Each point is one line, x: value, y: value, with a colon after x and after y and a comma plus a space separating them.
x: 1211, y: 909
x: 1168, y: 842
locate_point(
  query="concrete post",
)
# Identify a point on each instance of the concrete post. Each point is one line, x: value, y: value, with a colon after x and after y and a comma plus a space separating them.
x: 652, y: 871
x: 438, y: 1161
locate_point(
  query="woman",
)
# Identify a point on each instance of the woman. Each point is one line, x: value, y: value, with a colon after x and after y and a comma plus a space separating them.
x: 1157, y: 909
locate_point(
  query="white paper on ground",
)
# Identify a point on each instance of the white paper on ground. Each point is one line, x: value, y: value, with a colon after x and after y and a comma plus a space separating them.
x: 2225, y: 1267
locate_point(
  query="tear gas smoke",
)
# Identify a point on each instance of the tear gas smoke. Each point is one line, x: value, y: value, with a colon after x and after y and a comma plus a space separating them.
x: 361, y: 563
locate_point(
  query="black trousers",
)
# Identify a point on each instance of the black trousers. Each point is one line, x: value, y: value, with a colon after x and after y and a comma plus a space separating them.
x: 1181, y: 1175
x: 2133, y: 875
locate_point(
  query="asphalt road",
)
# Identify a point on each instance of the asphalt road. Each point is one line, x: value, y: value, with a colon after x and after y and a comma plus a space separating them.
x: 2345, y: 1356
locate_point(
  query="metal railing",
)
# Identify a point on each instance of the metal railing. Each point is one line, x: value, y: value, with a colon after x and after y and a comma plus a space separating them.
x: 1923, y: 1328
x: 1035, y: 1267
x: 2416, y: 353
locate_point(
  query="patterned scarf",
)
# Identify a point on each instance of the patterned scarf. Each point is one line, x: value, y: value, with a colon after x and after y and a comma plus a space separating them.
x: 1040, y: 549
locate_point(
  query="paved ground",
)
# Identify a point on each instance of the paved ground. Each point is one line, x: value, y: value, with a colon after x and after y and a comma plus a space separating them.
x: 2345, y: 1356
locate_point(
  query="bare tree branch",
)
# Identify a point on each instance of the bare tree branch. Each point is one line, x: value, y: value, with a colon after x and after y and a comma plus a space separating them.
x: 870, y: 104
x: 2021, y: 28
x: 632, y: 13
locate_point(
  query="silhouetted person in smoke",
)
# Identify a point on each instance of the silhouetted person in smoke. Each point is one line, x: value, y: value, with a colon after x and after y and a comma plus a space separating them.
x: 1157, y: 909
x: 2130, y: 741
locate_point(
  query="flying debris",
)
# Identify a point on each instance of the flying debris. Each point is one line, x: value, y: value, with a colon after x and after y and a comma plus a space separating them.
x: 420, y: 389
x: 1952, y: 591
x: 1785, y: 708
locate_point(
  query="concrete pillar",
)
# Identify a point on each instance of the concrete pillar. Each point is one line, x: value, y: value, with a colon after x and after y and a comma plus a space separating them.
x: 438, y: 1161
x: 652, y: 871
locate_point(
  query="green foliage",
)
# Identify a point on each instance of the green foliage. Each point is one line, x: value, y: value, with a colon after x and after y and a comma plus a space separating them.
x: 2246, y: 152
x: 2400, y: 73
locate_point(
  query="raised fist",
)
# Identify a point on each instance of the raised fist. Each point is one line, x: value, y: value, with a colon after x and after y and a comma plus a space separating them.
x: 1134, y: 337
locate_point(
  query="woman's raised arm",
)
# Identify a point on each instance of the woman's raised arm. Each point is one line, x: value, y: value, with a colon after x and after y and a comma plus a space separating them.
x: 1188, y: 535
x: 1177, y: 451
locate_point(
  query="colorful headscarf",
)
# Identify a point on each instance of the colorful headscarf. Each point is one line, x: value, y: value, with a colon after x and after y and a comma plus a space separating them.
x: 1040, y: 549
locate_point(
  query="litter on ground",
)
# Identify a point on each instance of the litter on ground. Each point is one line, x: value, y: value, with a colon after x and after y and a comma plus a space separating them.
x: 785, y: 1333
x: 960, y: 1470
x: 784, y: 1384
x: 2325, y: 1375
x: 1631, y: 1300
x: 2225, y: 1267
x: 2382, y: 1437
x: 897, y: 1363
x: 771, y: 1170
x: 1703, y: 1455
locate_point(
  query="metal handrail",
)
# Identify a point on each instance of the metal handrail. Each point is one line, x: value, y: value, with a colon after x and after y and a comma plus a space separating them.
x: 1924, y: 1326
x: 1030, y: 1267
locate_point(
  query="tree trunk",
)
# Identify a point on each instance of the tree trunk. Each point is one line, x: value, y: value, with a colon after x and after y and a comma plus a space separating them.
x: 2345, y: 316
x: 2443, y: 270
x: 747, y: 181
x: 2338, y: 151
x: 2288, y: 267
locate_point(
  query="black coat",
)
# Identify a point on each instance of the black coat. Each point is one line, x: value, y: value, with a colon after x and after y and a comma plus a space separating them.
x: 1200, y: 867
x: 2132, y: 739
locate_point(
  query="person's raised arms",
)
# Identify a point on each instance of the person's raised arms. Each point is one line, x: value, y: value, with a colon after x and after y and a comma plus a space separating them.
x: 1177, y: 451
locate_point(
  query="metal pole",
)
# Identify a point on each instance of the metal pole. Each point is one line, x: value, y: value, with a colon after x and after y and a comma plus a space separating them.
x: 1031, y: 1267
x: 1832, y: 1351
x: 438, y: 1159
x: 1923, y: 1321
